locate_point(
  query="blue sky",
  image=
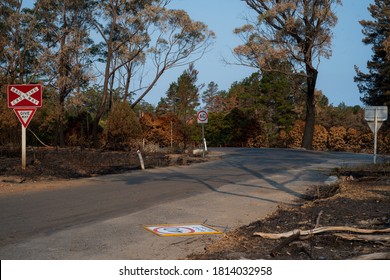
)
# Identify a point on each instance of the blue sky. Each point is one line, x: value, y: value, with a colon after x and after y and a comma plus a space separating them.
x: 223, y: 16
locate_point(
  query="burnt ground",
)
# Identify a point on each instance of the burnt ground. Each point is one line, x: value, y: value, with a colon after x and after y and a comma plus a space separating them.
x: 55, y: 163
x: 360, y: 201
x: 360, y: 204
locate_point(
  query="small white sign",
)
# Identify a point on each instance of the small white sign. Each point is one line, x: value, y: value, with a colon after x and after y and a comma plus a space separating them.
x: 25, y: 115
x: 372, y: 126
x: 181, y: 230
x: 202, y: 116
x: 380, y: 112
x: 375, y: 116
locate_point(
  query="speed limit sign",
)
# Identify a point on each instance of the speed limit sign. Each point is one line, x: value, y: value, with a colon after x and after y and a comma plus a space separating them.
x: 202, y: 116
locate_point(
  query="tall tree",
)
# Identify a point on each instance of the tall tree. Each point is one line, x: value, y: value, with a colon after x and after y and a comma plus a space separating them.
x: 141, y: 33
x: 63, y: 31
x: 181, y: 100
x: 117, y: 22
x: 375, y: 85
x: 18, y: 47
x: 212, y: 98
x: 182, y: 96
x: 298, y: 32
x: 180, y: 41
x: 270, y: 98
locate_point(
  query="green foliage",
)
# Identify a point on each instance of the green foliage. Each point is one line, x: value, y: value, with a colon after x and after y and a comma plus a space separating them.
x: 56, y: 44
x: 51, y: 44
x: 182, y: 96
x: 375, y: 85
x: 181, y: 100
x: 342, y: 115
x: 211, y: 97
x: 297, y: 33
x: 235, y: 129
x: 122, y: 129
x: 254, y: 110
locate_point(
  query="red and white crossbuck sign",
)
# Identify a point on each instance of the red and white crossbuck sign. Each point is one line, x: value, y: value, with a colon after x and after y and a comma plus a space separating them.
x: 24, y: 96
x: 24, y: 99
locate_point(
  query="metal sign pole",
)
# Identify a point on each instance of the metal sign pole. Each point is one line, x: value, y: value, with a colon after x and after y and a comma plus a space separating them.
x: 203, y: 145
x: 202, y: 117
x: 375, y: 133
x: 23, y: 148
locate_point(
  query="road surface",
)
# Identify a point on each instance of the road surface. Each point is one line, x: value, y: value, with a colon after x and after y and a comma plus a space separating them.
x: 103, y: 217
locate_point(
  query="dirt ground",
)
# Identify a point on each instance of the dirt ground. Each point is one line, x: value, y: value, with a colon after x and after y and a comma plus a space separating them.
x: 359, y: 204
x: 361, y: 200
x: 54, y: 163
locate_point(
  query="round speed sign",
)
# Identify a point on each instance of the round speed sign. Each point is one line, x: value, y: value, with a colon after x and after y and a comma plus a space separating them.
x: 202, y: 116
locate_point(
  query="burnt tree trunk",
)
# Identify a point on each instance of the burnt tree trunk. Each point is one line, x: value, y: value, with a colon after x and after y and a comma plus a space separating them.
x: 307, y: 141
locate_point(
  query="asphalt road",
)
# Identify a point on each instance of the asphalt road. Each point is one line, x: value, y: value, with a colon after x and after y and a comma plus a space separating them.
x: 103, y: 217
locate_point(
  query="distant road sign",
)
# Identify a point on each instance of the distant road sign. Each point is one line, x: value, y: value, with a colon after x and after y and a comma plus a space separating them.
x: 380, y: 112
x: 202, y: 116
x: 20, y: 96
x: 375, y: 116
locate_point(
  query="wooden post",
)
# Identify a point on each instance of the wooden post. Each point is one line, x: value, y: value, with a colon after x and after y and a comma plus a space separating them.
x: 141, y: 160
x: 23, y: 148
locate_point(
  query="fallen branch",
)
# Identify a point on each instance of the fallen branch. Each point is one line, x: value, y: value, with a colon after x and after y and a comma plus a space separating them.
x: 374, y: 256
x: 314, y: 231
x: 360, y: 237
x: 318, y: 219
x: 284, y: 243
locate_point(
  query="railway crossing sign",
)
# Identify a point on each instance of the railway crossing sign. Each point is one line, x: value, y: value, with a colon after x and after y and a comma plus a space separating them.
x: 24, y: 100
x: 22, y: 96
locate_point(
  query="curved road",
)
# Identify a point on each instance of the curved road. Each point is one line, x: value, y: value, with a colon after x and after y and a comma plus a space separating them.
x: 103, y: 217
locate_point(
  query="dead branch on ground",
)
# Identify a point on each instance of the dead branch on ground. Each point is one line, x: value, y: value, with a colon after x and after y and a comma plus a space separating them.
x: 311, y: 232
x: 369, y: 237
x: 374, y: 256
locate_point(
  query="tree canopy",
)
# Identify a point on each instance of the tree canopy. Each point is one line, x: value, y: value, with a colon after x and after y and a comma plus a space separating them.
x: 125, y: 46
x: 97, y: 60
x: 375, y: 85
x: 298, y: 32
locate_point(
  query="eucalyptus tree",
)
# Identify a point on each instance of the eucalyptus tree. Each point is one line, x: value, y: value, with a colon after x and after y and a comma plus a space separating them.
x: 177, y: 41
x: 18, y: 47
x: 63, y: 32
x: 139, y: 34
x: 298, y: 32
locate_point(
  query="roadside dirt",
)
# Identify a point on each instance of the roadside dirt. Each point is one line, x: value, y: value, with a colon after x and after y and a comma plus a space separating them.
x: 361, y: 201
x: 45, y: 165
x: 360, y: 204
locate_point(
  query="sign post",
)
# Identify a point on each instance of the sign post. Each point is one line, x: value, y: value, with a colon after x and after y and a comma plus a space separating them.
x: 375, y: 116
x: 203, y: 117
x: 24, y: 99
